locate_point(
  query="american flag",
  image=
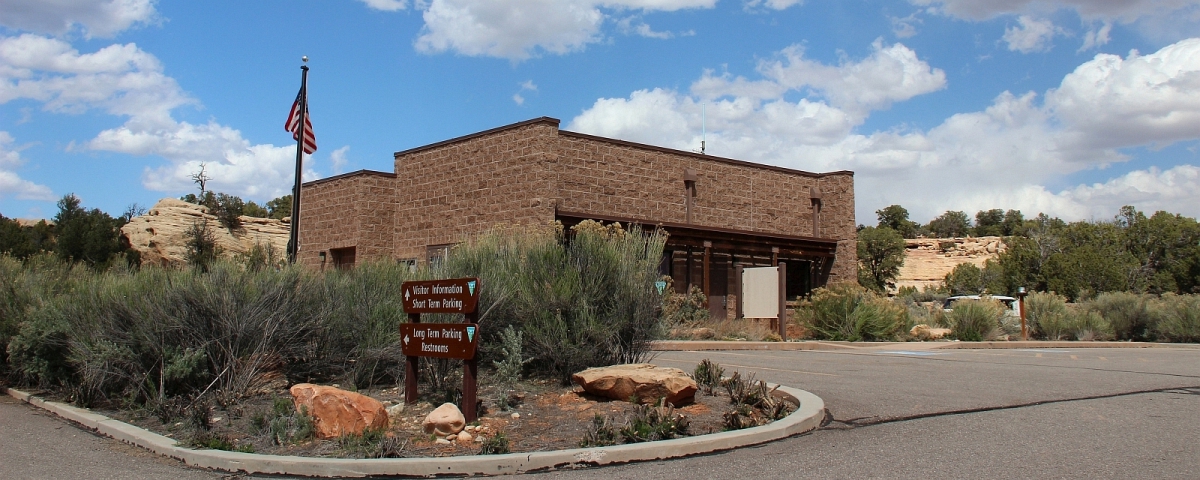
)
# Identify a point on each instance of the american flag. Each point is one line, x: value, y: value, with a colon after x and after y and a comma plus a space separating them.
x: 293, y: 123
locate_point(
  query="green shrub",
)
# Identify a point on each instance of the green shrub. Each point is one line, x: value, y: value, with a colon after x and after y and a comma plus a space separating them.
x: 496, y: 445
x: 1088, y: 325
x: 581, y: 301
x: 1047, y: 316
x: 1129, y: 315
x: 1179, y: 318
x: 684, y: 309
x: 708, y: 376
x: 976, y: 320
x: 850, y: 312
x: 360, y: 338
x: 600, y: 433
x: 649, y: 423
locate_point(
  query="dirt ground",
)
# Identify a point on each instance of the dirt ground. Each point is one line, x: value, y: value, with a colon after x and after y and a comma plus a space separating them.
x: 547, y: 417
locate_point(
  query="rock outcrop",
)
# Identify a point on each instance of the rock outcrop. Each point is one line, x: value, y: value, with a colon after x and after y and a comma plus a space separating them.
x: 444, y: 421
x: 926, y: 332
x: 928, y: 260
x: 645, y: 382
x: 337, y: 412
x: 160, y: 236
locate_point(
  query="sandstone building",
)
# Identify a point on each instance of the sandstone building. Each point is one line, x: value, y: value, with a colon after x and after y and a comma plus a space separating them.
x: 719, y: 212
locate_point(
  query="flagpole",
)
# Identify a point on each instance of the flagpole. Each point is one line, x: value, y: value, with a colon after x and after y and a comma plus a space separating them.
x: 294, y: 238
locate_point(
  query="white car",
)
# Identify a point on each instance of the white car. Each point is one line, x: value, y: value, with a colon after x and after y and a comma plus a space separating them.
x: 1011, y: 307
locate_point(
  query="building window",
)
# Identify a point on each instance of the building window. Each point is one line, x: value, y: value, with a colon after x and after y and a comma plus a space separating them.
x: 343, y: 258
x: 437, y: 253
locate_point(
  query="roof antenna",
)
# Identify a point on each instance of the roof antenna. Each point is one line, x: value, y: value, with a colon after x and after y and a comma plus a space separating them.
x: 703, y: 129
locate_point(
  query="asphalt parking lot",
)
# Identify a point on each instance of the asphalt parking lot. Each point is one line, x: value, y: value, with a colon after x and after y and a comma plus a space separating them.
x: 895, y: 411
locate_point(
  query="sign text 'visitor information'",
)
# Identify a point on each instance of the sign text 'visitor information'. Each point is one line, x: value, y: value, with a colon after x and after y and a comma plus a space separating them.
x: 442, y: 340
x: 454, y: 295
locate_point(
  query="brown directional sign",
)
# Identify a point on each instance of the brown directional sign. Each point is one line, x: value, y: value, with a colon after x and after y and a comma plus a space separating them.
x: 442, y: 340
x: 453, y: 295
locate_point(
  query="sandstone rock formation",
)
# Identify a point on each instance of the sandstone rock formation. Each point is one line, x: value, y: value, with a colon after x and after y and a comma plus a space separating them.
x: 160, y: 235
x: 337, y: 412
x: 444, y: 421
x: 926, y: 332
x: 928, y: 260
x: 643, y: 381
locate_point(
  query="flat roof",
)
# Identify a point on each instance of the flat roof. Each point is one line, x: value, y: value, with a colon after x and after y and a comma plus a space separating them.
x: 555, y: 122
x: 348, y: 175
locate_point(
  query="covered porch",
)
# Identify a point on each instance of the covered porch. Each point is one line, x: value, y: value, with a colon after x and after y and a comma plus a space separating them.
x: 708, y: 257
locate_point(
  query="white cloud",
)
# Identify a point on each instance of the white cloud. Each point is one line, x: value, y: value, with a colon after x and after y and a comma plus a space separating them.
x: 1123, y: 10
x: 1175, y: 190
x: 1095, y: 38
x: 526, y: 85
x: 1031, y: 35
x: 520, y: 29
x: 97, y: 18
x: 1000, y: 157
x: 890, y: 74
x: 1139, y: 100
x: 772, y: 4
x: 905, y: 27
x: 125, y: 81
x: 1161, y: 20
x: 12, y: 184
x: 627, y: 27
x: 387, y: 5
x: 339, y: 160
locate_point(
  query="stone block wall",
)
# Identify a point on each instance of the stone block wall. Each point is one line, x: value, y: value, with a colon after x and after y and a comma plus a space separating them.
x: 518, y: 174
x: 608, y: 177
x: 464, y: 186
x: 352, y: 210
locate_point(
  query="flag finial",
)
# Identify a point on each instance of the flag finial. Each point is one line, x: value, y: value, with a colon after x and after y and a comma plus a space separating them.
x: 304, y: 59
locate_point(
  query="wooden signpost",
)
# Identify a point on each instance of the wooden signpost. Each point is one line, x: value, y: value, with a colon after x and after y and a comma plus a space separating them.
x: 441, y: 340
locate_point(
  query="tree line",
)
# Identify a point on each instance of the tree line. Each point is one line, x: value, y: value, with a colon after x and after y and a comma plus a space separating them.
x: 93, y: 237
x: 1131, y: 252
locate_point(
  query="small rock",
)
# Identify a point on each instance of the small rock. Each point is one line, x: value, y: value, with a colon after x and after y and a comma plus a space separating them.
x: 444, y: 420
x: 442, y: 441
x: 394, y: 412
x: 465, y: 438
x: 516, y: 415
x: 216, y: 419
x: 452, y: 437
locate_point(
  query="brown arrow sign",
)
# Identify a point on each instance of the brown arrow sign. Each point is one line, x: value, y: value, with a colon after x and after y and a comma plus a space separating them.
x: 441, y: 340
x: 453, y: 295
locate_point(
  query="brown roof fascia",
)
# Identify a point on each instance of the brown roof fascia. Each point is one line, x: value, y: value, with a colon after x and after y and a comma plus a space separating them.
x: 348, y: 175
x: 535, y: 121
x: 668, y: 226
x: 741, y: 163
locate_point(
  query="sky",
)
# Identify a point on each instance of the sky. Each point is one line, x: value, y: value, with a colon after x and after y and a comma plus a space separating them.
x: 1073, y: 108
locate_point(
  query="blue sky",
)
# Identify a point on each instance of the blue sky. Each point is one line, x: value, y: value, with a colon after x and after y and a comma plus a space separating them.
x: 1069, y: 107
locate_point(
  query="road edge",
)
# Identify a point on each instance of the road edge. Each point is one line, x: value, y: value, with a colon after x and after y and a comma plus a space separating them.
x: 805, y: 419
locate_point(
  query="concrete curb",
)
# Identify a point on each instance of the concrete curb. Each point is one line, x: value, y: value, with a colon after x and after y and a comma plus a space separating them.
x: 805, y: 419
x: 1017, y: 344
x: 702, y: 345
x: 712, y: 345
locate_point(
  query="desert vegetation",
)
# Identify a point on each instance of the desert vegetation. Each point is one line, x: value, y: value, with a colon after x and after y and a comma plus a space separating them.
x: 166, y: 340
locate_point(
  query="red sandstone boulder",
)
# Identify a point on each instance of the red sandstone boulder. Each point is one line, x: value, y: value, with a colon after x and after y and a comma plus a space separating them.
x: 643, y: 381
x: 337, y: 412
